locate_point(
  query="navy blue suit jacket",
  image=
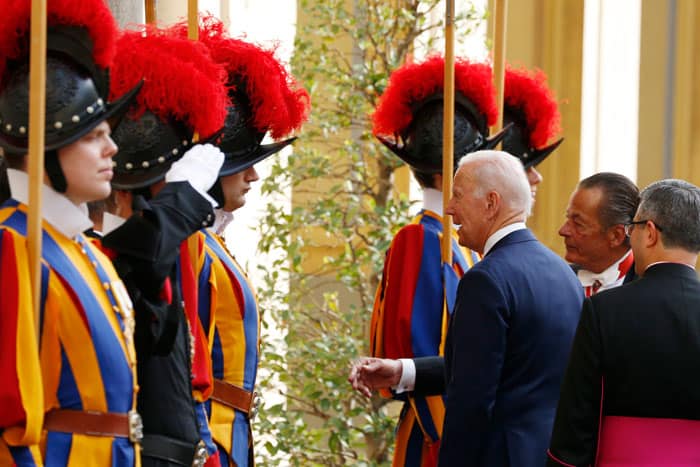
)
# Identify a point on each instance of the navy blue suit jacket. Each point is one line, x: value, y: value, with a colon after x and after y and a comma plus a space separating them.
x: 507, y: 347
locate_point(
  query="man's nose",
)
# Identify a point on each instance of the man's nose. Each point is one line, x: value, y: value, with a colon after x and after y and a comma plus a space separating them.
x: 534, y: 177
x: 111, y: 149
x: 564, y: 229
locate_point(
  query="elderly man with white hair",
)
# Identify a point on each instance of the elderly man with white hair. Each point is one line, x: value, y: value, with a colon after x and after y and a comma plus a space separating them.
x: 510, y: 335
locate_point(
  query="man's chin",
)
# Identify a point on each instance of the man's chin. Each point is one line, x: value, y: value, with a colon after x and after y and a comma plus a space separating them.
x: 571, y: 257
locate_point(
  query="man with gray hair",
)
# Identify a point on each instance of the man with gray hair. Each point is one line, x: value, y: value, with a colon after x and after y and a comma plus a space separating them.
x: 631, y: 394
x: 510, y: 334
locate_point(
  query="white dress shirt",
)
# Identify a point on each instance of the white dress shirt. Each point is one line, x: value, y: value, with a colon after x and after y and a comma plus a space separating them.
x: 221, y: 220
x: 501, y: 233
x: 111, y: 222
x: 66, y: 217
x: 608, y: 279
x: 432, y: 200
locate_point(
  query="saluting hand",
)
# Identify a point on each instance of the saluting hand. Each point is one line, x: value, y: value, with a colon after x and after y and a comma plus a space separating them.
x: 200, y: 167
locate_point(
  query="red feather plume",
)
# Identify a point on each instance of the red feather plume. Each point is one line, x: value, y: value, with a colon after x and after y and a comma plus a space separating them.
x: 528, y: 92
x: 414, y: 82
x: 279, y: 104
x: 180, y: 79
x: 91, y: 14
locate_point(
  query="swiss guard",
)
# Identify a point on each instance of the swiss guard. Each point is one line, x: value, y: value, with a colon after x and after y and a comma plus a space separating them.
x: 531, y: 119
x: 68, y: 389
x: 264, y: 99
x: 417, y: 291
x: 183, y: 93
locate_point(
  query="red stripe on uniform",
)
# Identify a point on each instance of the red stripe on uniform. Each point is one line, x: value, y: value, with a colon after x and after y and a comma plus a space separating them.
x: 201, y: 375
x: 12, y: 412
x: 397, y: 344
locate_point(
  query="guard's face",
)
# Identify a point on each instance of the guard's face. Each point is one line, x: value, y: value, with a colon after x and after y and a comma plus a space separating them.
x: 534, y: 178
x: 468, y: 210
x: 236, y: 186
x: 87, y: 165
x: 587, y: 243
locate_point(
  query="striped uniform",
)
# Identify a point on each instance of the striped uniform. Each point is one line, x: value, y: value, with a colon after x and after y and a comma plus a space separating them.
x: 410, y: 315
x: 234, y: 344
x: 86, y: 360
x: 192, y: 261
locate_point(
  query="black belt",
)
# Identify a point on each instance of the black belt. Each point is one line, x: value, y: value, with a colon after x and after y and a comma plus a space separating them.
x: 173, y: 450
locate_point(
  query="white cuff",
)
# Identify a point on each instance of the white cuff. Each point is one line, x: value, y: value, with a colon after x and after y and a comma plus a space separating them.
x: 408, y: 376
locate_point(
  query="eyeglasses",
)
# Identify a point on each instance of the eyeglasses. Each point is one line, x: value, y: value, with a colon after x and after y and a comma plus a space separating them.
x: 630, y: 226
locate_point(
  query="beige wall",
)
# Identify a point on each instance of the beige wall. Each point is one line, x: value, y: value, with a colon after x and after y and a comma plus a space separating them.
x: 548, y: 34
x: 669, y: 98
x: 686, y: 98
x: 653, y: 155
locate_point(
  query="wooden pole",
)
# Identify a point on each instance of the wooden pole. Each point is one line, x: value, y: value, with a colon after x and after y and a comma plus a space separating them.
x: 499, y: 58
x: 35, y: 155
x: 151, y: 11
x: 448, y: 129
x: 193, y: 32
x: 192, y: 20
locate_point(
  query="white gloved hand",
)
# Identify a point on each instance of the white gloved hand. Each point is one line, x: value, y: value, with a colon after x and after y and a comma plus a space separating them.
x: 200, y: 166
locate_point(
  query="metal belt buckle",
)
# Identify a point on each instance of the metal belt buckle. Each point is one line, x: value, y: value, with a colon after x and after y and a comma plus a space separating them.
x: 135, y: 426
x: 254, y: 406
x: 200, y: 455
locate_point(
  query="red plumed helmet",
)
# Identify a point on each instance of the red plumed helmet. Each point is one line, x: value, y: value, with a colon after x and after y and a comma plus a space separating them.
x: 184, y: 92
x: 80, y: 46
x: 264, y: 96
x: 93, y: 16
x: 408, y: 118
x: 531, y: 108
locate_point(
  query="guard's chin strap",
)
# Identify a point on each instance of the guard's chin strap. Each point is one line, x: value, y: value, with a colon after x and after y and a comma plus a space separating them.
x: 54, y: 171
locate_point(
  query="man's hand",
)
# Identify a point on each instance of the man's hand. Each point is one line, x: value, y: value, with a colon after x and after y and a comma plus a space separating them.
x: 369, y: 373
x: 200, y: 166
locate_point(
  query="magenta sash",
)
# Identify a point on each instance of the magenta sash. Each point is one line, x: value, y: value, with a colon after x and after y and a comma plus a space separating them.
x: 635, y: 441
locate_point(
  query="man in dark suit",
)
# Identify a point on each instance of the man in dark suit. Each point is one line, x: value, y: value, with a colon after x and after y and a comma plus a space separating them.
x: 510, y: 334
x: 641, y: 344
x: 594, y: 234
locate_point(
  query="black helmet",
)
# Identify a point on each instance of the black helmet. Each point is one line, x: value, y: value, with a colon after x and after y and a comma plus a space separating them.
x: 409, y: 117
x: 241, y: 142
x: 76, y: 80
x: 147, y: 148
x: 184, y: 92
x: 532, y: 112
x: 264, y: 97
